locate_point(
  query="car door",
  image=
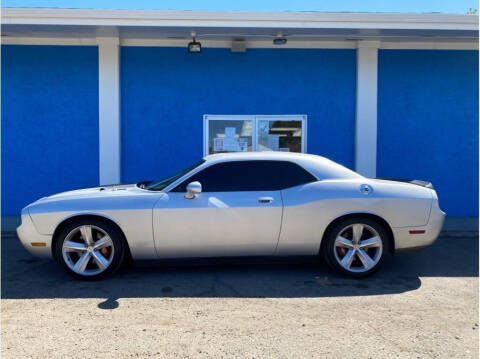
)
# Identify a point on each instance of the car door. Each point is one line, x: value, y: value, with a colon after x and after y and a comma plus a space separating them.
x: 238, y: 213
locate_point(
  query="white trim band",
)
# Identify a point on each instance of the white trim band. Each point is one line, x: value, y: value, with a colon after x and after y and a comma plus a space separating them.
x: 240, y: 19
x: 253, y: 44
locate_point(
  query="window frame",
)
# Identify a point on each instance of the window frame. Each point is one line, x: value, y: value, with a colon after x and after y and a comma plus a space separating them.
x: 206, y: 165
x: 255, y: 119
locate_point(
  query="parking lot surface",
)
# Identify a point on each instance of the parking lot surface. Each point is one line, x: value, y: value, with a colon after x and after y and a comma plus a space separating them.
x: 420, y: 305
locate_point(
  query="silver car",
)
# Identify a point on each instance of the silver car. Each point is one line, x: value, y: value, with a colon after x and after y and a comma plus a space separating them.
x: 236, y: 204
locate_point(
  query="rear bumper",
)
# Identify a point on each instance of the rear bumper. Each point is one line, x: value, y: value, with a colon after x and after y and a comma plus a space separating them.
x: 39, y: 245
x: 423, y: 236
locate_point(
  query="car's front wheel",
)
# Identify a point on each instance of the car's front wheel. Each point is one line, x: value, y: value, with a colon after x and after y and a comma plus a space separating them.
x: 90, y: 249
x: 356, y: 247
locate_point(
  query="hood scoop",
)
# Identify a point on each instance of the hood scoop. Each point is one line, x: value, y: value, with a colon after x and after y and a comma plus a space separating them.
x: 116, y: 187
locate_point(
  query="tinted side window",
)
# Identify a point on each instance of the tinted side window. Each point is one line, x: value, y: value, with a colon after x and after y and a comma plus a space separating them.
x: 249, y: 176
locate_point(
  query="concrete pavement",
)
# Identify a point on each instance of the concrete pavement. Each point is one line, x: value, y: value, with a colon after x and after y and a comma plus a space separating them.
x: 423, y: 304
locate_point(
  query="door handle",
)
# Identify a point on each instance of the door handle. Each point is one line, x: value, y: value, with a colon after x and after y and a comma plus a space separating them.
x: 265, y: 200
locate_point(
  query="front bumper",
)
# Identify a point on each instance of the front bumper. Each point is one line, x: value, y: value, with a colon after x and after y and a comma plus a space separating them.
x: 417, y: 237
x: 39, y: 245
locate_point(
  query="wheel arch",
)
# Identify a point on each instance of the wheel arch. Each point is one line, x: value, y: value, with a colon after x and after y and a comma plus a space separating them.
x: 72, y: 219
x: 375, y: 217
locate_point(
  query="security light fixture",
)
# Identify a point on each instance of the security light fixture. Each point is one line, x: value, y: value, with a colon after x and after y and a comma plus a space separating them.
x: 279, y: 40
x: 238, y: 46
x: 194, y: 47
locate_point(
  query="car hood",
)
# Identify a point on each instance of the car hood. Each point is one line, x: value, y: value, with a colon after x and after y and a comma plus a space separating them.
x: 101, y: 191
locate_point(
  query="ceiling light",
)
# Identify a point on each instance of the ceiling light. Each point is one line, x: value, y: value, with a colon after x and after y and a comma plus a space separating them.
x: 279, y: 40
x: 194, y: 47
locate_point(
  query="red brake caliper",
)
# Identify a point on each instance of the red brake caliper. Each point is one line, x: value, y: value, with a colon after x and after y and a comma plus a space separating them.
x: 342, y: 251
x: 104, y: 251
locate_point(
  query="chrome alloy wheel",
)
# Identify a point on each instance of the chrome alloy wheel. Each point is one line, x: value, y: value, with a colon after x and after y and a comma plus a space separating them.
x: 358, y: 248
x: 88, y: 250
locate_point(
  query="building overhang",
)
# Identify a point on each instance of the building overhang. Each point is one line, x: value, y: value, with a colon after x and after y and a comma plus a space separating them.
x: 257, y: 29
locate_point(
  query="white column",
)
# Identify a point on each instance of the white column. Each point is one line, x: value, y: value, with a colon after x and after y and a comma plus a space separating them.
x: 109, y: 108
x: 366, y: 109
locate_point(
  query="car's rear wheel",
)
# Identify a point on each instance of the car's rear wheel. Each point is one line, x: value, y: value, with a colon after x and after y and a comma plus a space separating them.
x: 356, y: 247
x: 90, y: 249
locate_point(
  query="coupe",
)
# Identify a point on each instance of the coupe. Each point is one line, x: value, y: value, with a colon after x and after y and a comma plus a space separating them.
x: 236, y: 204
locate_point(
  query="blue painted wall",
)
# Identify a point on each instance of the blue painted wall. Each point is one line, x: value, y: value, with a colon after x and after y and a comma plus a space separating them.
x: 428, y: 122
x: 428, y: 112
x: 166, y: 92
x: 49, y: 122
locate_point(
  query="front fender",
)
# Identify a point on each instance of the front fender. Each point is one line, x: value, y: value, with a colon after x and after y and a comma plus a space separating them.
x: 132, y: 214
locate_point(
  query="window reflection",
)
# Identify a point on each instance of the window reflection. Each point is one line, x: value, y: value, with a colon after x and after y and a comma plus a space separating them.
x: 280, y: 136
x: 230, y: 136
x: 255, y: 133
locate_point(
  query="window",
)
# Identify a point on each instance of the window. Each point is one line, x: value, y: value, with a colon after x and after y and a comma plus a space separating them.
x: 254, y: 133
x: 230, y: 135
x: 249, y: 176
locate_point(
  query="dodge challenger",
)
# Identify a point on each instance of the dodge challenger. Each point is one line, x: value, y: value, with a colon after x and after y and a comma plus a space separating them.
x: 236, y: 204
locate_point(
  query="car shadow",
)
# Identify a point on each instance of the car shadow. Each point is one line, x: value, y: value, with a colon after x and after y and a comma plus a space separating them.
x: 25, y: 277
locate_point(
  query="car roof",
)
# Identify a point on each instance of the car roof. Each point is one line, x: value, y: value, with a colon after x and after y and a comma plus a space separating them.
x: 321, y: 167
x: 263, y: 155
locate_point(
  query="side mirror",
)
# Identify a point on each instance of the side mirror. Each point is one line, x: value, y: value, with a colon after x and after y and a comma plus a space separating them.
x: 193, y: 188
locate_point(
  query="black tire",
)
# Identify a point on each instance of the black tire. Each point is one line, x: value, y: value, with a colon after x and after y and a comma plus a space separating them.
x: 328, y: 248
x: 118, y: 255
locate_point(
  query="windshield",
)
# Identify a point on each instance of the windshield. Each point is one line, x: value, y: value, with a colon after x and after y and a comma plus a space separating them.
x: 160, y: 185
